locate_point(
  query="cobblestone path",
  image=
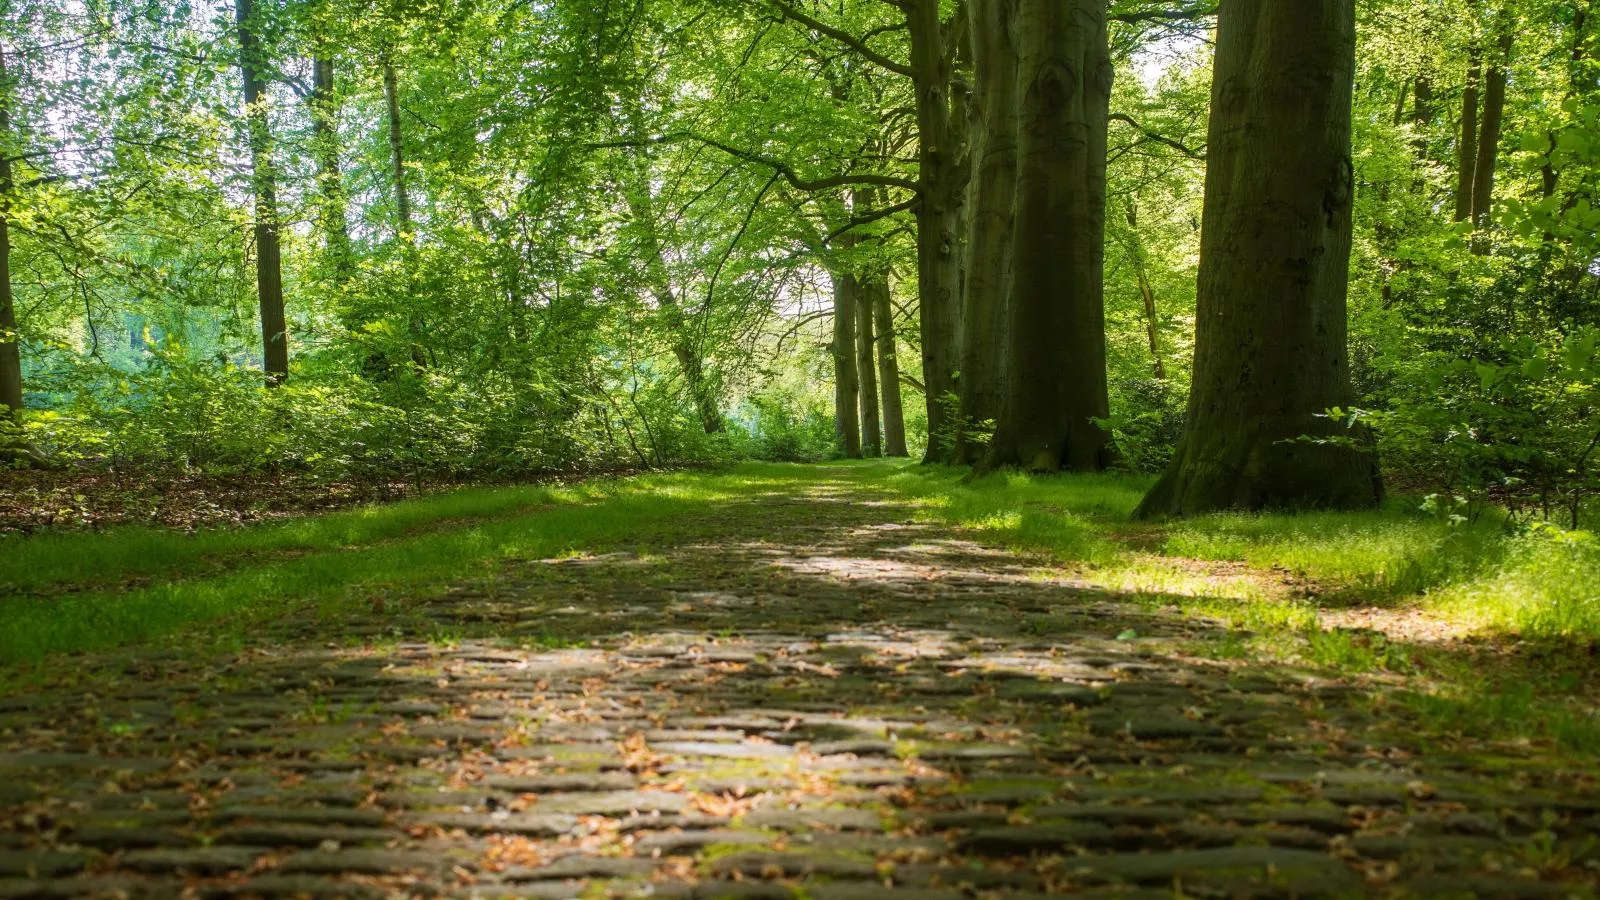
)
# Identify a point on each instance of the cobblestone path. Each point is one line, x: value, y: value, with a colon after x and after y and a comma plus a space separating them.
x: 848, y: 706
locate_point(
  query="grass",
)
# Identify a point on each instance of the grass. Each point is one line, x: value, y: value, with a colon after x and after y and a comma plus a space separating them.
x: 232, y: 581
x: 1272, y: 577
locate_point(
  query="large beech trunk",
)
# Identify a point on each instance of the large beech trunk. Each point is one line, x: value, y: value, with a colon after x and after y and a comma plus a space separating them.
x: 269, y: 264
x: 846, y: 385
x: 875, y: 293
x: 938, y: 216
x: 1270, y: 351
x: 992, y: 199
x: 1056, y: 382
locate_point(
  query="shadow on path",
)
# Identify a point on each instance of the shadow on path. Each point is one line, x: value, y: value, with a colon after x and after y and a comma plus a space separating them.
x: 827, y: 701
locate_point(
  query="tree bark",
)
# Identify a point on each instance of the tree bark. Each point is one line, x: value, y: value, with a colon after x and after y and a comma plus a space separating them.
x: 269, y: 264
x: 10, y: 341
x: 866, y: 374
x: 1270, y: 351
x: 397, y: 154
x: 1467, y: 144
x: 1494, y: 106
x: 334, y: 214
x: 875, y: 293
x: 938, y: 216
x: 1056, y: 384
x: 846, y: 384
x: 641, y: 205
x: 992, y: 201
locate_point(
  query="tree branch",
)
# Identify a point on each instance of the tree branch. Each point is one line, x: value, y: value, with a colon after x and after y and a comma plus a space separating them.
x: 1183, y: 14
x: 843, y: 37
x: 1159, y: 138
x: 782, y: 168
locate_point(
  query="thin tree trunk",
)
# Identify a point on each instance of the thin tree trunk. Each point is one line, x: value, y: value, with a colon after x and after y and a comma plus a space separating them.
x: 1150, y: 327
x: 334, y: 214
x: 10, y: 342
x: 1270, y: 343
x: 1152, y: 320
x: 846, y: 384
x: 1467, y: 145
x: 269, y: 264
x: 1056, y: 386
x: 1422, y: 113
x: 397, y: 154
x: 938, y: 216
x: 642, y: 207
x: 405, y: 229
x: 875, y: 293
x: 992, y: 203
x: 1494, y: 106
x: 866, y: 373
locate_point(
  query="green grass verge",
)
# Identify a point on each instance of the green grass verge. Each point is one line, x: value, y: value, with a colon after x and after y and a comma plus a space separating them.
x: 233, y: 580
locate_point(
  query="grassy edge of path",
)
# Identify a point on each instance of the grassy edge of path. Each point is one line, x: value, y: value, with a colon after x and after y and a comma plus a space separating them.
x: 327, y: 566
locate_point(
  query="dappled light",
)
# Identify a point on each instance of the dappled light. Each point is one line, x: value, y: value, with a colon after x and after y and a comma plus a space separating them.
x: 861, y: 702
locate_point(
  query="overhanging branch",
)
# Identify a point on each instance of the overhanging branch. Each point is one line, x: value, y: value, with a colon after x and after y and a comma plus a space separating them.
x: 777, y: 165
x: 843, y: 37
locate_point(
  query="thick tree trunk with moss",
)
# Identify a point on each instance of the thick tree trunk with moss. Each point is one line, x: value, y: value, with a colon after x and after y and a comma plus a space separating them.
x: 867, y: 376
x: 269, y: 264
x: 1270, y: 343
x: 992, y: 200
x: 938, y: 215
x: 875, y: 294
x: 1056, y: 380
x: 846, y: 384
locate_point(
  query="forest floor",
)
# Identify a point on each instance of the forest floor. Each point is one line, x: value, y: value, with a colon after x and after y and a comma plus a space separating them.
x: 841, y: 681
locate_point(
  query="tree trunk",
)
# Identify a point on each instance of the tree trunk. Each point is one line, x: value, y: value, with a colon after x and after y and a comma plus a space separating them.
x: 334, y: 214
x: 1494, y: 106
x: 10, y: 341
x: 269, y: 265
x: 1056, y: 384
x: 1270, y: 343
x: 405, y: 230
x: 871, y: 432
x: 397, y: 154
x: 1467, y: 146
x: 992, y: 202
x: 641, y: 205
x: 875, y: 293
x: 938, y: 217
x: 846, y: 384
x: 1152, y: 321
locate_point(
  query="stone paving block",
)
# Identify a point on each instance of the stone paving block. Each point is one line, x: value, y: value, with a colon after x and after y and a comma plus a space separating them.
x: 43, y: 863
x: 198, y: 861
x: 528, y: 825
x: 1308, y: 873
x: 293, y: 887
x: 294, y: 835
x: 754, y: 864
x: 358, y: 861
x: 834, y: 819
x: 542, y: 784
x: 580, y: 865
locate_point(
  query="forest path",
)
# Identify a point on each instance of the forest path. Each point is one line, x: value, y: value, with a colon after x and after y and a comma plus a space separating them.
x: 807, y: 695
